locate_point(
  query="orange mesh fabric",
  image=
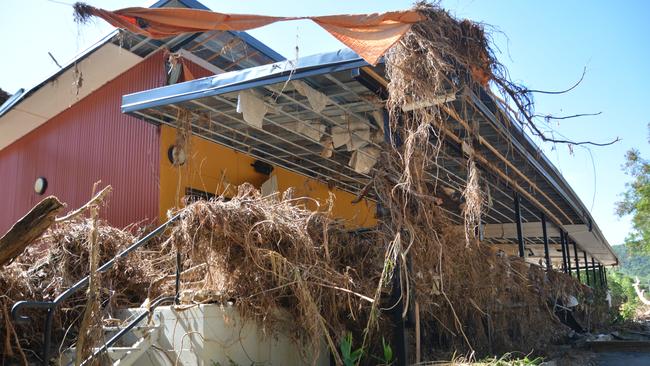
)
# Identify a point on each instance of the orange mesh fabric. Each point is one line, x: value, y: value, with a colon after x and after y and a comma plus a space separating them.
x: 369, y: 35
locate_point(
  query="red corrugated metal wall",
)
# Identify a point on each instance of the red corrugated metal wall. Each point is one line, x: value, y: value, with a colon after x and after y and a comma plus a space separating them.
x: 88, y: 142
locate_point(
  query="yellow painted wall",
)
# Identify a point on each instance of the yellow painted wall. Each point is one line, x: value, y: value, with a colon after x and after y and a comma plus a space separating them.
x: 211, y: 167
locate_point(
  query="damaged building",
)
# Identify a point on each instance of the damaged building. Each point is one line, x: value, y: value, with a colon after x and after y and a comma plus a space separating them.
x: 193, y: 128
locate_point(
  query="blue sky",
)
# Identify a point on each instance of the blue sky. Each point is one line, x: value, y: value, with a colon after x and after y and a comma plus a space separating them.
x: 544, y: 44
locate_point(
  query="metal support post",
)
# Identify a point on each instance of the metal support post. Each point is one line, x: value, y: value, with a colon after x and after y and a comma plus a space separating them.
x: 593, y: 269
x: 575, y: 256
x: 549, y: 266
x: 584, y: 254
x: 520, y: 235
x: 564, y: 266
x: 568, y: 252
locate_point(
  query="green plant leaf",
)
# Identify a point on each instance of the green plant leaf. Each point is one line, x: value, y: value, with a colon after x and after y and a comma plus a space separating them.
x: 388, y: 352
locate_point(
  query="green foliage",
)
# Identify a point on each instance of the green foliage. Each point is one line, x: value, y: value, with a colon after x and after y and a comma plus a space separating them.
x: 636, y: 202
x: 623, y: 295
x: 388, y: 352
x: 509, y: 360
x: 349, y: 357
x: 633, y: 264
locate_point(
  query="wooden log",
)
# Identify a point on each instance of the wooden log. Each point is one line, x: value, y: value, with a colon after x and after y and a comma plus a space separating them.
x: 29, y: 228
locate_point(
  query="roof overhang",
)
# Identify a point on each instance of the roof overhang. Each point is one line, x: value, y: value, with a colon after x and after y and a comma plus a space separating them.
x: 113, y: 55
x: 98, y: 67
x: 354, y: 91
x: 588, y: 240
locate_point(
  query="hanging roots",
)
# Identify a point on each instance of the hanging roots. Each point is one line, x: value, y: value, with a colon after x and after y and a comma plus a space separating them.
x: 82, y: 13
x: 474, y: 201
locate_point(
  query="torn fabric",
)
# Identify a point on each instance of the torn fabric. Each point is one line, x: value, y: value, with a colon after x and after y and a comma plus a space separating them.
x: 340, y: 136
x: 359, y: 135
x: 311, y: 129
x: 317, y: 100
x: 252, y: 108
x: 364, y: 159
x: 369, y: 35
x: 354, y: 134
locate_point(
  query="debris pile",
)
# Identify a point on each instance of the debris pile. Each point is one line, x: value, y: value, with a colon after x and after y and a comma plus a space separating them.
x: 275, y: 258
x: 55, y: 263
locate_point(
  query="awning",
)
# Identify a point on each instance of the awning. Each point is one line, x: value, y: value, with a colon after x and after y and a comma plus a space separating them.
x: 322, y: 116
x: 369, y: 35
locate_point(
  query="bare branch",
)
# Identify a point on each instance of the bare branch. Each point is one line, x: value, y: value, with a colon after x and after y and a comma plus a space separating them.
x: 584, y: 71
x: 550, y: 116
x: 528, y: 119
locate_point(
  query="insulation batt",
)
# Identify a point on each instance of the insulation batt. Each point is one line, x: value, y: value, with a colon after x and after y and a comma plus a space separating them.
x: 364, y: 159
x: 313, y: 129
x: 355, y: 135
x: 252, y: 108
x: 317, y: 100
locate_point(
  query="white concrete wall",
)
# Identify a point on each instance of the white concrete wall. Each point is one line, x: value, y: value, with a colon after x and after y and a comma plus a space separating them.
x: 216, y: 335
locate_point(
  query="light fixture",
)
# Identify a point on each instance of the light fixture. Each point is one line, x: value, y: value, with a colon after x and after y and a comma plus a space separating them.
x: 40, y: 185
x: 262, y: 167
x: 176, y: 155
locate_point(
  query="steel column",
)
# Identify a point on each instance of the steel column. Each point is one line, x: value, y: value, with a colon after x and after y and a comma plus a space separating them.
x: 593, y: 269
x: 584, y: 254
x: 564, y: 266
x: 520, y: 234
x: 549, y: 266
x: 575, y: 256
x: 600, y: 275
x: 568, y: 252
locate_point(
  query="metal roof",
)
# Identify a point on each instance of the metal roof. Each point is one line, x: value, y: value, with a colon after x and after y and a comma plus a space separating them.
x: 243, y: 49
x: 351, y: 86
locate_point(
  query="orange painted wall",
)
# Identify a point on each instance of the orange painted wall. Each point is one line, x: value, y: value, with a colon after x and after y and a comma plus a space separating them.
x: 211, y: 168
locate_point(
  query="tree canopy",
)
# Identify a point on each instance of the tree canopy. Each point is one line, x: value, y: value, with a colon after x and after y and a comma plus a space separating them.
x: 636, y: 201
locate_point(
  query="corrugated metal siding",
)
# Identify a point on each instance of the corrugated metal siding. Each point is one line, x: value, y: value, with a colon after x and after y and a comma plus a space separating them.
x: 197, y: 71
x: 90, y: 141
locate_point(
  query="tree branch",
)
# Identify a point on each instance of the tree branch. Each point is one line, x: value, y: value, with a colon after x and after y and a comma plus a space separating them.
x: 584, y: 71
x: 550, y: 116
x: 515, y: 93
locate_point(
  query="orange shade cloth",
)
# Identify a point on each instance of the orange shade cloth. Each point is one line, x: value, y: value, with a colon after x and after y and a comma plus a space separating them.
x: 369, y: 35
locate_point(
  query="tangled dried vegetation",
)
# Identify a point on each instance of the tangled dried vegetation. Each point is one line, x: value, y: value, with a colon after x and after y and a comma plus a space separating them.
x: 53, y: 264
x: 273, y: 257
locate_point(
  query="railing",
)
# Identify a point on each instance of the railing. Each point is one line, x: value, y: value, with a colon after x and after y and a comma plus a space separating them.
x: 51, y: 306
x: 129, y: 326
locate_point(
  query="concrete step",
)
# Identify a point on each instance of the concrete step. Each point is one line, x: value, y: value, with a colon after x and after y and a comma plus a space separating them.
x: 138, y: 339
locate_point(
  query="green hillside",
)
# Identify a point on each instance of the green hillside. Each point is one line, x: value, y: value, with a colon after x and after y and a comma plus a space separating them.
x: 633, y: 264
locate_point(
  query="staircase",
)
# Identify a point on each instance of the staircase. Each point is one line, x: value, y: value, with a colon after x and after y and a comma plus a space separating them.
x: 125, y: 344
x: 195, y: 335
x: 125, y: 354
x: 202, y: 335
x: 129, y: 348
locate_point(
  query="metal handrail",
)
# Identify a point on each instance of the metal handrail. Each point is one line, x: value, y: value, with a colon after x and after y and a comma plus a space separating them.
x: 130, y: 326
x: 51, y: 306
